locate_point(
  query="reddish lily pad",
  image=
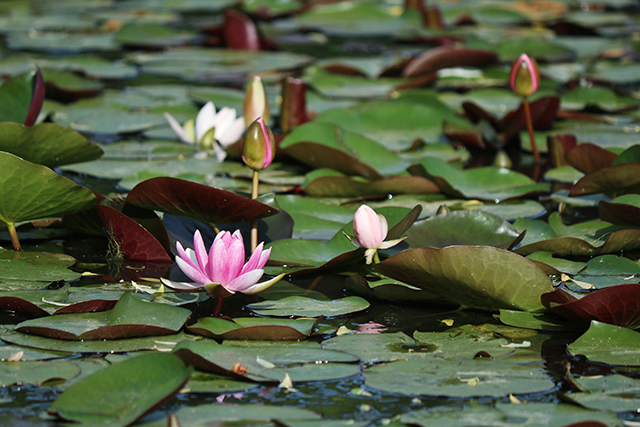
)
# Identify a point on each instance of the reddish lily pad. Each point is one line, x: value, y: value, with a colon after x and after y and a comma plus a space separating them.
x: 447, y: 57
x: 589, y: 158
x: 130, y: 317
x: 616, y: 305
x: 196, y: 201
x: 481, y: 277
x: 623, y: 210
x: 133, y: 241
x: 254, y: 328
x: 615, y: 179
x: 121, y: 393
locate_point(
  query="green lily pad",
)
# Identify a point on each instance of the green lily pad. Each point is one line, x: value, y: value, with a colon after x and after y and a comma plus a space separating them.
x: 268, y: 363
x: 462, y: 228
x: 48, y: 144
x: 130, y: 318
x: 52, y: 42
x: 582, y: 239
x: 386, y: 289
x: 473, y: 276
x: 486, y: 183
x: 17, y: 95
x: 613, y: 392
x: 327, y: 145
x: 121, y: 393
x: 345, y: 86
x: 29, y: 191
x: 609, y: 344
x: 38, y: 258
x: 309, y: 307
x: 107, y: 121
x: 511, y: 48
x: 394, y: 124
x: 20, y: 270
x: 65, y: 85
x: 254, y: 328
x: 329, y: 183
x: 538, y: 321
x: 151, y: 35
x: 165, y: 342
x: 200, y: 416
x: 36, y: 372
x: 202, y: 382
x: 598, y: 96
x: 480, y: 377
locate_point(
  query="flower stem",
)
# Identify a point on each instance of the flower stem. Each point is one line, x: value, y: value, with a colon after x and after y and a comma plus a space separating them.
x: 527, y: 114
x: 254, y: 223
x: 14, y: 236
x: 218, y: 307
x: 376, y: 258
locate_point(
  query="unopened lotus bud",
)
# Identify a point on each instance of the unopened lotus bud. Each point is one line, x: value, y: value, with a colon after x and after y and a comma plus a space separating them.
x: 255, y: 102
x: 525, y: 76
x: 293, y: 111
x: 259, y: 146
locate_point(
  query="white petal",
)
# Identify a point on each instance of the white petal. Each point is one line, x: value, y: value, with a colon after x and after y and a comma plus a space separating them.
x: 205, y: 120
x: 181, y: 286
x: 233, y: 133
x: 177, y: 129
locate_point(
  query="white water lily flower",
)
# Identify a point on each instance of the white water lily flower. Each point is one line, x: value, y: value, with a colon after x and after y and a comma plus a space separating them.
x: 227, y: 128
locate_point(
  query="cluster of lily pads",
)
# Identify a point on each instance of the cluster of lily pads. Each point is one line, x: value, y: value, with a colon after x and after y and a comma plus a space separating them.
x: 429, y: 170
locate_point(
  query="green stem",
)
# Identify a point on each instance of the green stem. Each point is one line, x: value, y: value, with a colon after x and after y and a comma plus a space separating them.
x: 254, y: 223
x: 14, y: 236
x: 527, y: 114
x: 376, y: 258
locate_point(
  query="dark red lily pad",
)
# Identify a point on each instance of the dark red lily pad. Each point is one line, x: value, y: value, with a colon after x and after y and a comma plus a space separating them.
x: 558, y: 146
x: 616, y: 305
x: 623, y: 178
x: 447, y: 57
x: 619, y: 213
x: 196, y: 201
x: 589, y: 158
x: 543, y: 114
x: 131, y: 239
x: 321, y: 156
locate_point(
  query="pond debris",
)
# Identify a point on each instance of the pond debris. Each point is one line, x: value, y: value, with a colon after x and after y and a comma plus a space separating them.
x: 287, y: 384
x: 264, y: 363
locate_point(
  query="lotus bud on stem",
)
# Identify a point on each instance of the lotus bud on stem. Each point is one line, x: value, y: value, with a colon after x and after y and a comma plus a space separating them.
x: 524, y: 81
x: 370, y: 229
x: 255, y: 102
x: 258, y: 152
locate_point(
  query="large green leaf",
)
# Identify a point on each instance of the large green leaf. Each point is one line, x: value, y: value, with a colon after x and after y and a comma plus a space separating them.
x: 472, y: 276
x: 609, y: 344
x: 29, y: 191
x: 394, y: 124
x: 120, y: 394
x: 487, y: 183
x: 36, y: 372
x: 48, y: 144
x: 308, y: 307
x: 254, y: 328
x: 131, y: 317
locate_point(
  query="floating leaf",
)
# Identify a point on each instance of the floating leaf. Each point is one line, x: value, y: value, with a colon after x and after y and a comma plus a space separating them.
x: 48, y: 144
x: 131, y: 317
x: 121, y: 393
x: 609, y: 344
x: 132, y: 240
x: 538, y: 321
x: 245, y: 414
x: 253, y: 328
x: 36, y: 372
x: 486, y: 183
x: 29, y: 191
x: 613, y: 393
x: 615, y: 179
x: 196, y: 201
x: 472, y: 276
x: 298, y: 361
x: 309, y: 307
x: 615, y: 305
x: 22, y: 98
x: 623, y: 210
x: 449, y: 57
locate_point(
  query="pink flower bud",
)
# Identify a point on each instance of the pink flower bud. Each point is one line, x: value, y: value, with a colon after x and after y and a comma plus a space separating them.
x: 259, y: 146
x: 255, y: 102
x: 525, y: 76
x: 369, y: 227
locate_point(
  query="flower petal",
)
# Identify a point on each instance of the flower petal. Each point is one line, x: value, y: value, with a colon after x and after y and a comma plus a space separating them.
x: 233, y: 133
x: 201, y: 252
x: 258, y: 259
x: 177, y: 129
x: 182, y: 286
x: 191, y: 272
x: 259, y: 287
x: 368, y: 228
x: 205, y: 120
x: 244, y: 281
x: 187, y: 256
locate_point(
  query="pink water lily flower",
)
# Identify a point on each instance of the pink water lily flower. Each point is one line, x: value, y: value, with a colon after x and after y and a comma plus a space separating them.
x: 226, y: 128
x: 371, y: 229
x: 223, y: 267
